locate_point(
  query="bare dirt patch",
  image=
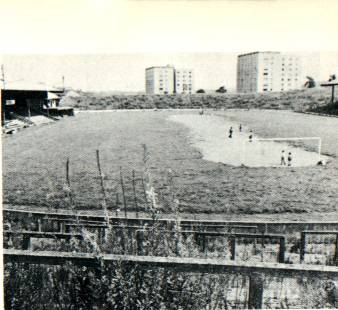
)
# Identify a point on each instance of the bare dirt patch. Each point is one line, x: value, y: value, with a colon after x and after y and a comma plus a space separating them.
x: 211, y: 137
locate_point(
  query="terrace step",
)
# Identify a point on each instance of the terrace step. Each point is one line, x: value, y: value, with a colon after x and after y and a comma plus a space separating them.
x: 23, y: 119
x: 41, y: 119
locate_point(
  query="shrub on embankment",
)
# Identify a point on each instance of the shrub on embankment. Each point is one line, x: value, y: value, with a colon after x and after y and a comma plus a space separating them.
x: 300, y: 100
x: 330, y: 109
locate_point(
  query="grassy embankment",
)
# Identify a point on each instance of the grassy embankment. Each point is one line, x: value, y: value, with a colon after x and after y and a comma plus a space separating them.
x: 299, y: 100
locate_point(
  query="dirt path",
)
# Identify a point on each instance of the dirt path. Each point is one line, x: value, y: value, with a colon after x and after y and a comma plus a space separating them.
x: 210, y: 134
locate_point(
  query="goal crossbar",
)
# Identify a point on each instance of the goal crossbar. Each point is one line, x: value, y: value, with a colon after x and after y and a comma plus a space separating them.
x: 288, y: 139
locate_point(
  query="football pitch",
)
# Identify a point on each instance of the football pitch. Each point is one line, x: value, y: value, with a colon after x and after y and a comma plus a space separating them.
x: 211, y: 174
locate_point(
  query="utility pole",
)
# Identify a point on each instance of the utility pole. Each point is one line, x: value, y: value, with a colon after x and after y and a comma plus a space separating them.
x: 3, y: 76
x: 63, y: 83
x: 3, y: 106
x: 331, y: 84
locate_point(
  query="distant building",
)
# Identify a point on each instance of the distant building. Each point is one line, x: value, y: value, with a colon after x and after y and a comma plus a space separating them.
x: 166, y: 80
x: 184, y: 81
x: 160, y: 80
x: 268, y: 72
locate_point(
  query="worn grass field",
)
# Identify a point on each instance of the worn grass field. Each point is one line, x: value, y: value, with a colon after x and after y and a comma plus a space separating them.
x: 34, y: 165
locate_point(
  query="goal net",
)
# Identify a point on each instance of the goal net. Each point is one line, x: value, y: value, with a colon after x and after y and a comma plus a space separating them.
x: 276, y: 152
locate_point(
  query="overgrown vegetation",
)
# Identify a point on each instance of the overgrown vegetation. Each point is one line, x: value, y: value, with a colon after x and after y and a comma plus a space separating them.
x: 124, y: 286
x: 117, y: 285
x: 330, y: 109
x: 299, y: 100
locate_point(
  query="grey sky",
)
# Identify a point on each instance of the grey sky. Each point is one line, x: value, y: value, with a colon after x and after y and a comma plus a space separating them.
x: 125, y: 72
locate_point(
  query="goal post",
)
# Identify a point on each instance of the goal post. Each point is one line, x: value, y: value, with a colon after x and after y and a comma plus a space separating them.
x: 269, y: 150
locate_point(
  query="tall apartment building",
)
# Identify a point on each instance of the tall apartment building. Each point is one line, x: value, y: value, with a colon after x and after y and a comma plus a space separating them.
x: 184, y: 81
x: 168, y: 80
x: 268, y: 72
x: 160, y: 80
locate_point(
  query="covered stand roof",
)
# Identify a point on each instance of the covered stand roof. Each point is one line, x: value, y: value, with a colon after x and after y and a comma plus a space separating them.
x: 28, y: 86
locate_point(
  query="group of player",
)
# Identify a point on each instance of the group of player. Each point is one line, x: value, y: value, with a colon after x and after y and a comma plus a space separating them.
x: 240, y: 130
x: 283, y: 155
x: 282, y: 159
x: 231, y: 130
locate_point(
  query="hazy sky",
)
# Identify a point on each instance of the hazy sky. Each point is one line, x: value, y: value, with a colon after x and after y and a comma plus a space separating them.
x: 125, y: 72
x: 174, y: 32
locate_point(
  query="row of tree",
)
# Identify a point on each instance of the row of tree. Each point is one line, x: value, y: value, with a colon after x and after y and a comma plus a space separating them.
x: 220, y: 90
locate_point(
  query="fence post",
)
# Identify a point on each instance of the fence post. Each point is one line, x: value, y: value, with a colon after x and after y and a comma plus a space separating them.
x: 281, y: 257
x: 336, y: 251
x: 302, y: 246
x: 105, y: 201
x: 70, y: 196
x: 123, y: 194
x: 123, y: 239
x: 104, y: 233
x: 204, y: 244
x: 39, y: 225
x: 135, y: 198
x: 117, y: 204
x: 255, y: 291
x: 26, y: 242
x: 139, y: 250
x: 263, y: 241
x: 62, y: 227
x: 99, y: 234
x: 233, y: 247
x: 130, y: 239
